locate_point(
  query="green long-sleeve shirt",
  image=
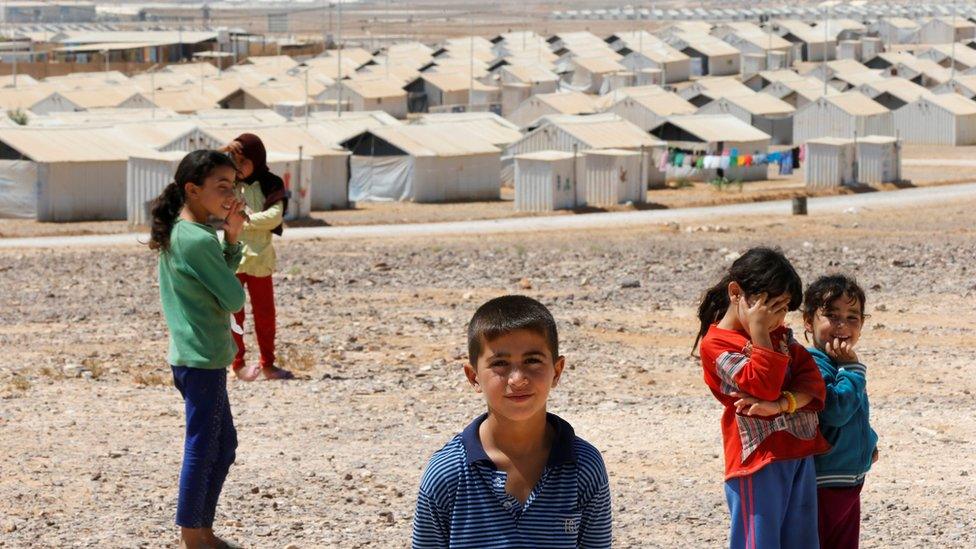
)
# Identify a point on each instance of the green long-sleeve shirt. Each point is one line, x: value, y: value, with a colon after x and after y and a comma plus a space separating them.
x: 199, y: 291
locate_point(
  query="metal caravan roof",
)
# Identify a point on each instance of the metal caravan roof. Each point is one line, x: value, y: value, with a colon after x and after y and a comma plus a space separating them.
x: 953, y: 102
x: 486, y: 126
x: 856, y: 103
x: 432, y: 140
x: 603, y: 131
x: 714, y: 128
x: 280, y: 138
x: 71, y: 144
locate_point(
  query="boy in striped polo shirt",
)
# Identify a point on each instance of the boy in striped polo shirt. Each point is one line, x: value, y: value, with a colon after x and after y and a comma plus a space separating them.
x: 517, y: 476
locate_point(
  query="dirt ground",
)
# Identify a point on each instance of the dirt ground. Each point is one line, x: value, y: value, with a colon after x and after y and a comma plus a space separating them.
x: 91, y: 426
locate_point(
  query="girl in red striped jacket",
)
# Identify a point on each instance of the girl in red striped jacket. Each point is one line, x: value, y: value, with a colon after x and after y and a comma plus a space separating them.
x: 771, y: 390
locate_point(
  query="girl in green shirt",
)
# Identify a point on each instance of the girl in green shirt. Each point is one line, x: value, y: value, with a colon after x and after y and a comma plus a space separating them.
x: 199, y: 291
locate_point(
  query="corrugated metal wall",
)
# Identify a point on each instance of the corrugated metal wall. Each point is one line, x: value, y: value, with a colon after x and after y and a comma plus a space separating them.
x: 637, y: 114
x: 823, y: 119
x: 330, y: 174
x: 922, y: 122
x: 81, y: 191
x: 611, y: 179
x: 544, y: 185
x: 298, y: 180
x: 829, y: 166
x: 145, y: 179
x: 457, y: 178
x: 554, y: 139
x: 878, y: 163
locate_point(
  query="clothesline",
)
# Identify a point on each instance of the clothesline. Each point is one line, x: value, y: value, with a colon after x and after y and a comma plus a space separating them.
x: 676, y: 157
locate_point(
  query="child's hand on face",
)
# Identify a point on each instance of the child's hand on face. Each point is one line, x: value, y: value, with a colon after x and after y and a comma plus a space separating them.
x: 840, y: 350
x: 752, y: 406
x: 765, y: 315
x: 234, y: 222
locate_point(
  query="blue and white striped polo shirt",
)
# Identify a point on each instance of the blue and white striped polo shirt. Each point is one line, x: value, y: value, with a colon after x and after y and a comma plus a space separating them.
x: 463, y: 503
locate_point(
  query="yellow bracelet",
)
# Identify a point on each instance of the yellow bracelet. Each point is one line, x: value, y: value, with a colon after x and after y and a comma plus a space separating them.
x: 791, y: 400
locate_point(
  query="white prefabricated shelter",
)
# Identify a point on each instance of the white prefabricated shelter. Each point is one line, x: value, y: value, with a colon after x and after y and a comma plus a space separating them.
x: 800, y: 92
x: 537, y: 106
x: 765, y: 112
x: 897, y: 30
x: 674, y: 65
x: 599, y: 131
x: 647, y: 111
x: 79, y: 172
x: 871, y: 46
x: 943, y: 30
x: 849, y: 115
x: 850, y: 49
x: 829, y: 163
x: 36, y: 99
x: 377, y: 94
x: 422, y: 163
x: 591, y: 74
x: 706, y: 90
x: 963, y: 84
x: 608, y: 177
x: 545, y: 181
x: 713, y: 134
x: 948, y: 119
x: 878, y: 159
x: 709, y: 55
x: 894, y: 93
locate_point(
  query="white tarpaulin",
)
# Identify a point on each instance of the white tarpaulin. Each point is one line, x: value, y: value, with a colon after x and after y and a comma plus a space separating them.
x: 18, y: 189
x: 381, y: 178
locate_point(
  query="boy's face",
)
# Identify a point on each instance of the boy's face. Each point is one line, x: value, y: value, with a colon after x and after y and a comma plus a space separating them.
x: 840, y: 321
x: 515, y: 372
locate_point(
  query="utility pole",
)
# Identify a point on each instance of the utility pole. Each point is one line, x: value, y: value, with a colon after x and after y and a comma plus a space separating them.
x: 471, y: 61
x: 952, y: 70
x: 823, y: 58
x: 339, y: 60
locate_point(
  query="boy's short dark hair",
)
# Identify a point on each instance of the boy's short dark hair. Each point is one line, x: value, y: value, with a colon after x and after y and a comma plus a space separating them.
x: 507, y: 314
x: 826, y: 289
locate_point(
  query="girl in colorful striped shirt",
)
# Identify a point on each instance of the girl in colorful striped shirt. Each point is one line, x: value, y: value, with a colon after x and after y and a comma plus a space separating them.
x: 771, y: 390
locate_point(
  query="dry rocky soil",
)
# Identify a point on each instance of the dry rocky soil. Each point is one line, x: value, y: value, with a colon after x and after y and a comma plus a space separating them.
x: 91, y: 426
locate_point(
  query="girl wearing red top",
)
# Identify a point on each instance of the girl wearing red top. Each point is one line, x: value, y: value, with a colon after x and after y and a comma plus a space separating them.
x: 771, y: 390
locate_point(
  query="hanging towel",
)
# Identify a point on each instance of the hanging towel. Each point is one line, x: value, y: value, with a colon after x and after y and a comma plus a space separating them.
x: 662, y: 163
x: 726, y: 162
x: 786, y: 165
x: 734, y: 155
x: 773, y: 158
x: 759, y: 159
x: 803, y: 153
x: 679, y: 159
x: 796, y: 157
x: 748, y: 160
x: 700, y: 162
